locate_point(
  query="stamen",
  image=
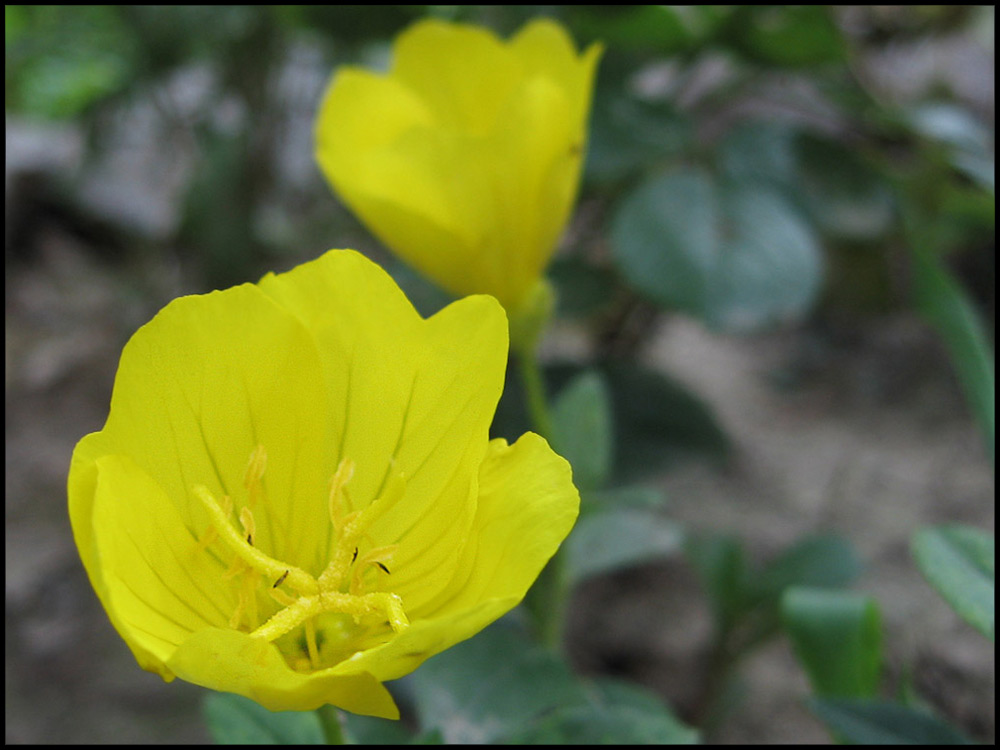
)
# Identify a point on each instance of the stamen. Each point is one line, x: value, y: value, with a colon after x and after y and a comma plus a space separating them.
x: 267, y: 566
x: 311, y: 644
x: 281, y: 597
x: 246, y: 518
x: 255, y: 473
x: 353, y: 527
x: 346, y: 569
x: 343, y: 475
x: 305, y: 608
x: 377, y: 557
x: 211, y: 534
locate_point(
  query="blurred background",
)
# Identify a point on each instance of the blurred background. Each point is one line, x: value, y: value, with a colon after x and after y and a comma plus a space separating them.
x: 778, y: 204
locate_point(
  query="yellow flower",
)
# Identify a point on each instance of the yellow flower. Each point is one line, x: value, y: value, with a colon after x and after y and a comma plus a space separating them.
x: 465, y: 158
x: 295, y: 496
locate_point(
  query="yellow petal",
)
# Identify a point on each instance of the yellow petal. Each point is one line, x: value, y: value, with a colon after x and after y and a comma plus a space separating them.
x: 463, y: 73
x: 545, y: 48
x: 158, y: 585
x: 201, y: 386
x: 360, y: 124
x: 527, y: 506
x: 471, y: 168
x: 423, y: 639
x: 234, y: 662
x: 410, y: 397
x: 443, y: 442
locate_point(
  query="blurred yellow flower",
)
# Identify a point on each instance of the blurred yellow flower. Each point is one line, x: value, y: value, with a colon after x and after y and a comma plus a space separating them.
x: 465, y: 158
x: 295, y: 498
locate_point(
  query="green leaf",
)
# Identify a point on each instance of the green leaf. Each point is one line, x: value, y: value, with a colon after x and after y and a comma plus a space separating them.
x: 633, y: 496
x: 837, y: 637
x: 609, y: 540
x: 657, y: 420
x: 736, y: 255
x: 868, y: 722
x: 821, y: 561
x: 721, y: 564
x: 647, y: 28
x: 581, y: 421
x: 235, y: 720
x: 847, y: 198
x: 370, y: 730
x: 958, y: 561
x: 615, y: 714
x: 946, y: 306
x: 63, y: 60
x: 581, y: 289
x: 760, y: 151
x: 787, y: 35
x: 490, y: 685
x: 627, y: 134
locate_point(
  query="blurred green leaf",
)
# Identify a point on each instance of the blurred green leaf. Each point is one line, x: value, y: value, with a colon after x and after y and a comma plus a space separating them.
x: 847, y: 197
x: 491, y: 685
x: 581, y: 289
x: 657, y: 420
x: 786, y: 35
x: 958, y: 561
x: 946, y: 306
x: 736, y: 255
x: 606, y: 541
x: 722, y: 567
x: 819, y: 561
x: 615, y: 714
x: 628, y: 134
x: 370, y: 730
x: 869, y: 722
x: 632, y: 496
x: 581, y: 420
x: 235, y: 720
x: 62, y: 60
x: 647, y: 28
x: 353, y: 26
x: 760, y: 151
x: 837, y: 637
x: 15, y: 19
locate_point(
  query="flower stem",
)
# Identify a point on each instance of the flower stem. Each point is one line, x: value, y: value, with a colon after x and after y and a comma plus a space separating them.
x: 329, y: 719
x: 534, y: 389
x: 546, y: 600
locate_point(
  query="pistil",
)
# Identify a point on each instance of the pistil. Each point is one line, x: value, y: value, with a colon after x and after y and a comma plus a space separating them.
x: 338, y: 589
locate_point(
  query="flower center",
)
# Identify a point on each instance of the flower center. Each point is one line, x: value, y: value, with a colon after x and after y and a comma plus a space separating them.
x: 338, y: 591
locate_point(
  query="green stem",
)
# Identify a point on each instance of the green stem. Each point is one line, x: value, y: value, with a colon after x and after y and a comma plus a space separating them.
x: 534, y: 389
x: 546, y: 600
x: 329, y: 719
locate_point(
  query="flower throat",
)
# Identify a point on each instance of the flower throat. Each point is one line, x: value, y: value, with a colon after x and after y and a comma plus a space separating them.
x: 338, y: 590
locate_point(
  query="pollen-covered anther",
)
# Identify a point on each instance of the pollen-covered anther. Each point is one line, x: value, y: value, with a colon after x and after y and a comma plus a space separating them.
x: 253, y: 558
x: 339, y: 589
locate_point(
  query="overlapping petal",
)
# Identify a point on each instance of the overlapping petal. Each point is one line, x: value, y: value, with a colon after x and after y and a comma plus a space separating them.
x: 465, y: 158
x: 258, y: 406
